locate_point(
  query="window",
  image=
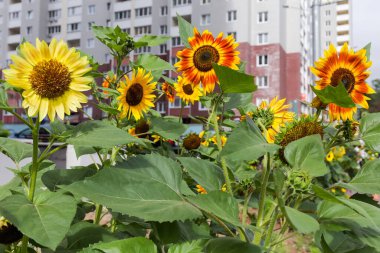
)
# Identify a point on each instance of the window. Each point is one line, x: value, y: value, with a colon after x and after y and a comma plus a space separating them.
x: 141, y: 12
x: 87, y: 111
x: 181, y: 2
x: 262, y: 17
x: 173, y: 60
x: 262, y: 60
x: 262, y: 38
x: 54, y: 29
x: 147, y: 29
x: 74, y: 27
x: 164, y: 10
x: 119, y: 15
x: 14, y: 15
x: 328, y: 12
x: 29, y: 15
x: 201, y: 107
x: 74, y: 11
x: 231, y: 15
x: 108, y: 6
x: 107, y: 57
x: 91, y: 9
x: 176, y: 41
x: 233, y: 34
x: 160, y: 107
x: 54, y: 14
x: 90, y: 43
x: 328, y: 33
x: 90, y: 24
x: 127, y: 30
x: 175, y: 104
x: 141, y: 50
x: 260, y: 100
x: 163, y: 29
x: 108, y: 22
x: 29, y: 30
x: 262, y: 81
x: 163, y: 48
x: 205, y: 19
x: 203, y: 2
x: 328, y: 22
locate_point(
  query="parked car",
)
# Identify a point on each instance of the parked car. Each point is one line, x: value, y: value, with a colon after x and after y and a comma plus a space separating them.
x: 44, y: 133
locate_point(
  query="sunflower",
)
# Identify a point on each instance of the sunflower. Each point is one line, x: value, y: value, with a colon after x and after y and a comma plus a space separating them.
x: 200, y: 189
x: 51, y: 77
x: 187, y: 91
x: 136, y: 94
x: 192, y: 141
x: 273, y: 117
x: 107, y: 82
x: 196, y: 62
x: 350, y: 69
x: 169, y: 91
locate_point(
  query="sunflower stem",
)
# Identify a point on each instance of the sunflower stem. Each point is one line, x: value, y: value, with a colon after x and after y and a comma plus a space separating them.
x: 24, y: 245
x: 98, y: 214
x: 271, y: 227
x: 18, y: 116
x: 260, y: 215
x: 180, y: 113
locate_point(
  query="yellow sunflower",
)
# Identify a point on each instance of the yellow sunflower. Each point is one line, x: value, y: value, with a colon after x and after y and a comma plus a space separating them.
x: 196, y: 62
x: 187, y: 91
x: 273, y: 116
x: 136, y: 94
x: 51, y: 76
x: 347, y: 67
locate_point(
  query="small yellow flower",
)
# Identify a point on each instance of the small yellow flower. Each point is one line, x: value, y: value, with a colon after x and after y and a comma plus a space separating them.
x: 222, y: 138
x: 4, y: 223
x: 132, y: 131
x: 343, y: 190
x: 224, y: 188
x: 204, y: 142
x: 333, y: 190
x: 156, y: 138
x: 330, y: 156
x: 339, y: 152
x: 200, y: 189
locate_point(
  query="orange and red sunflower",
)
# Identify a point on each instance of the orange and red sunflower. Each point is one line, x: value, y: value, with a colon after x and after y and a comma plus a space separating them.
x: 196, y: 62
x: 350, y: 69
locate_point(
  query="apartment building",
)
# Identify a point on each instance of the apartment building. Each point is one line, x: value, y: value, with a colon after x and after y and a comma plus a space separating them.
x: 322, y: 22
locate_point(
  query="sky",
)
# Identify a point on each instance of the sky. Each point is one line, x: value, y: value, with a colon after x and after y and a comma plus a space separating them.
x: 365, y: 29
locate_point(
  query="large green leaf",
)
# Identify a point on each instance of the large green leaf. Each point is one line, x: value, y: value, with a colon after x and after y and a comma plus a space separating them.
x: 83, y: 234
x: 307, y: 154
x: 46, y: 220
x: 152, y: 63
x: 168, y: 128
x: 220, y: 204
x: 148, y: 187
x: 188, y: 247
x: 367, y: 180
x: 100, y: 134
x: 237, y: 100
x: 302, y: 222
x: 151, y: 41
x: 247, y: 143
x: 131, y: 245
x: 186, y: 30
x: 204, y: 172
x: 53, y: 178
x: 230, y: 245
x: 233, y: 81
x: 16, y: 150
x: 370, y: 129
x: 337, y: 95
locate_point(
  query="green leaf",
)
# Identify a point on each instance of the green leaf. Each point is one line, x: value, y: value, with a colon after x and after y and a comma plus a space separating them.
x: 100, y: 134
x: 220, y: 204
x: 370, y: 129
x: 16, y: 150
x: 230, y: 245
x: 186, y: 30
x: 307, y: 154
x: 83, y: 234
x: 53, y: 178
x: 168, y: 128
x: 46, y: 221
x: 148, y: 187
x: 151, y: 40
x: 3, y: 98
x: 367, y: 180
x: 233, y: 81
x: 238, y: 99
x: 131, y: 245
x: 302, y: 222
x: 368, y: 51
x: 188, y: 247
x: 247, y: 143
x: 79, y: 151
x: 337, y: 95
x: 106, y: 108
x: 152, y: 63
x: 204, y: 172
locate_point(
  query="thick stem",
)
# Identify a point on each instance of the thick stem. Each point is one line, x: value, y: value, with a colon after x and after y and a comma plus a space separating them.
x: 24, y: 245
x: 19, y: 117
x: 98, y: 214
x: 270, y: 228
x: 34, y: 169
x: 260, y: 215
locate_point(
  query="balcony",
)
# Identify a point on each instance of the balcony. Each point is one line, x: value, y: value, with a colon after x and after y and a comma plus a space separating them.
x: 14, y: 39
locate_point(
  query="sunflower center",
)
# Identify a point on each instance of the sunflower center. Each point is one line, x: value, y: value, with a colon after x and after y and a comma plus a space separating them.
x: 188, y: 89
x: 134, y: 94
x: 50, y: 79
x: 204, y: 57
x: 345, y: 76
